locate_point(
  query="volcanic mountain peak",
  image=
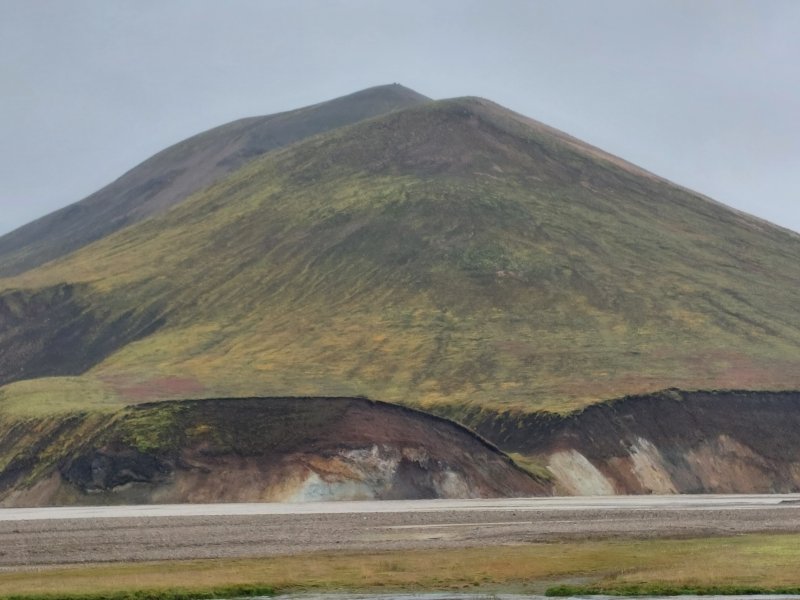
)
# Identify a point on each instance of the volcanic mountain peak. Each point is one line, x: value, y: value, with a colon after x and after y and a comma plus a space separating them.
x: 450, y: 252
x: 173, y: 174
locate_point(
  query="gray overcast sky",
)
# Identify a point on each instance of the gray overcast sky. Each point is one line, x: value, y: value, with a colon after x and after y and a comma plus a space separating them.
x: 705, y: 93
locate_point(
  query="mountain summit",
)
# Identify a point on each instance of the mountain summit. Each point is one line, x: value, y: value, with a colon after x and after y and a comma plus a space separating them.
x: 175, y: 173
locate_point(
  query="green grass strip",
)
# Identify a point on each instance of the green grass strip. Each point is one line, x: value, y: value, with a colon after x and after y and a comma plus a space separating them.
x: 235, y: 591
x: 661, y: 589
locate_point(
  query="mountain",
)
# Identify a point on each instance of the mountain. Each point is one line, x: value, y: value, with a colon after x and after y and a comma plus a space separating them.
x: 175, y: 173
x: 453, y: 256
x: 451, y: 253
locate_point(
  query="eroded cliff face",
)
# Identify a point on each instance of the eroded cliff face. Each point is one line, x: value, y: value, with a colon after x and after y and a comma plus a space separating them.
x: 306, y: 449
x: 258, y: 449
x: 670, y: 442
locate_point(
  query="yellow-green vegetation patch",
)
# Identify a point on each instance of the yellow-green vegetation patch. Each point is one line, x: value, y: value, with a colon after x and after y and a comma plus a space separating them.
x: 152, y: 430
x: 57, y: 395
x: 753, y: 563
x: 531, y: 465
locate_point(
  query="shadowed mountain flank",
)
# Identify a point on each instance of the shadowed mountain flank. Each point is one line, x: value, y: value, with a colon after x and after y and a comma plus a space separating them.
x: 62, y: 331
x: 175, y: 173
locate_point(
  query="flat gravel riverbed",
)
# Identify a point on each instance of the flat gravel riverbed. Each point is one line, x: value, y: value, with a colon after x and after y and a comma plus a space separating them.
x: 109, y: 534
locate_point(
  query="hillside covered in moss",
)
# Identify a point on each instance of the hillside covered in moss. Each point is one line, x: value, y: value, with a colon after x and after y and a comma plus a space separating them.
x: 450, y: 254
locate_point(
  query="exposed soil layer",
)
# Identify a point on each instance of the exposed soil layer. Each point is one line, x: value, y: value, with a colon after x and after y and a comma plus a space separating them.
x: 670, y: 442
x: 302, y: 449
x: 257, y: 449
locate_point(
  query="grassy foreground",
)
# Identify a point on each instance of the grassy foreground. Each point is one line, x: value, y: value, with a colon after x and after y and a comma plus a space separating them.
x: 751, y: 563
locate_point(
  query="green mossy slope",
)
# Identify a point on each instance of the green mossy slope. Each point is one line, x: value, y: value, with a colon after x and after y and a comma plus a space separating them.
x: 449, y: 254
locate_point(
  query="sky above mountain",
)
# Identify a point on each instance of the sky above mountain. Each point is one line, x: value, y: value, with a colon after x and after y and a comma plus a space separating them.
x: 703, y: 93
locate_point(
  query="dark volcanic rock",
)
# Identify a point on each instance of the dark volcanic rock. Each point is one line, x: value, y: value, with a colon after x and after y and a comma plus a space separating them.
x: 106, y: 470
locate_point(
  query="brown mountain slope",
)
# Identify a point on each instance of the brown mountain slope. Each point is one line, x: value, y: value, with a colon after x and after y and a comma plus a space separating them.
x: 170, y: 176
